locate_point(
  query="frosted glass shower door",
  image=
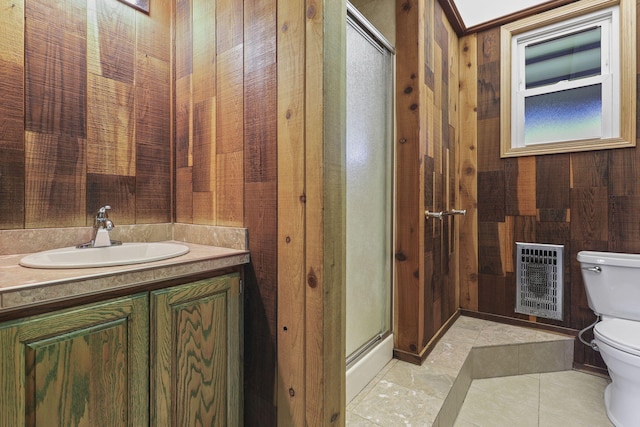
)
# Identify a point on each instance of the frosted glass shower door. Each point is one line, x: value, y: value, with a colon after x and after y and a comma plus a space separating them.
x: 369, y: 189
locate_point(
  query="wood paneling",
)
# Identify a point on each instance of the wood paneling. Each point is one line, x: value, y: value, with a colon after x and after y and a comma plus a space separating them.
x: 153, y: 157
x: 585, y: 201
x: 12, y: 162
x: 55, y: 182
x: 467, y: 172
x: 427, y: 287
x: 209, y: 120
x: 291, y: 215
x: 260, y: 211
x: 86, y: 99
x: 409, y: 301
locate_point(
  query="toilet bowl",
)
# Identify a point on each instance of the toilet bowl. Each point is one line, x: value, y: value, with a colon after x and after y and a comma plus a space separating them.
x: 618, y: 341
x: 612, y: 283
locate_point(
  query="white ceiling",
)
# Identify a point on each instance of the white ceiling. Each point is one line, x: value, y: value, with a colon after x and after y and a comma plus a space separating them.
x: 475, y: 12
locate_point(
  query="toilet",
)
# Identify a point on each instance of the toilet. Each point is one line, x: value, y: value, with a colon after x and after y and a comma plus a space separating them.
x: 612, y: 283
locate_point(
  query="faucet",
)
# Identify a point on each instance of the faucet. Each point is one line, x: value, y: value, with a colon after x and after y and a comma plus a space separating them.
x: 102, y: 225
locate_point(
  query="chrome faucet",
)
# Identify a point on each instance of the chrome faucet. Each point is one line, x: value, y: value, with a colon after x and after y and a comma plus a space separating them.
x: 102, y: 225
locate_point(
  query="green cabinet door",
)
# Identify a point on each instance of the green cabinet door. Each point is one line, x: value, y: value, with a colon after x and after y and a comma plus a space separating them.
x: 195, y: 354
x: 85, y: 366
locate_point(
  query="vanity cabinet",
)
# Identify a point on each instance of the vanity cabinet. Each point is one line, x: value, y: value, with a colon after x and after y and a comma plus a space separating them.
x: 165, y: 357
x: 195, y: 354
x: 82, y: 366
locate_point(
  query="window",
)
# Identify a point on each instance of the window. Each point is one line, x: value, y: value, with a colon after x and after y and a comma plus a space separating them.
x: 565, y: 89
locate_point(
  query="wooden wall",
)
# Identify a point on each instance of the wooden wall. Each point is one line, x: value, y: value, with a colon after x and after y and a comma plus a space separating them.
x: 427, y: 159
x: 584, y: 201
x: 226, y: 158
x: 86, y: 112
x: 256, y: 147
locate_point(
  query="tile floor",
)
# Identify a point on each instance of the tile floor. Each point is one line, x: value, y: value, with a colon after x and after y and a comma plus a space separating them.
x: 567, y: 398
x: 483, y: 373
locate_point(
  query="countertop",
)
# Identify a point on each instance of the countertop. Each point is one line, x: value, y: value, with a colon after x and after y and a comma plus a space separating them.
x: 22, y: 286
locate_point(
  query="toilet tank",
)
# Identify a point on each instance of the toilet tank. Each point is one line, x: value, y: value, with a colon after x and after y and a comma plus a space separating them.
x: 612, y: 282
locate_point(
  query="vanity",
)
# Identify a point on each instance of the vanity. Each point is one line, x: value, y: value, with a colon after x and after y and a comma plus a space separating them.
x: 157, y: 343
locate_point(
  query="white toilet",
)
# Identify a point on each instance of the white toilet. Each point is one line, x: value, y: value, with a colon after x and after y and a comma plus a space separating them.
x: 612, y: 282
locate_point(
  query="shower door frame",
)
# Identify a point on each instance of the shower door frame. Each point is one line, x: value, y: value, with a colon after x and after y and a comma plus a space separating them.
x: 359, y: 23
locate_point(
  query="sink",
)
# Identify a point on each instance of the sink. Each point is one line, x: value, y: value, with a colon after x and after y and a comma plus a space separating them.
x: 127, y: 253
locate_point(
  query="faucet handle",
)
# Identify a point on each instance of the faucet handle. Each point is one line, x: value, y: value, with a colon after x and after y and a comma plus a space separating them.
x: 102, y: 218
x: 102, y: 212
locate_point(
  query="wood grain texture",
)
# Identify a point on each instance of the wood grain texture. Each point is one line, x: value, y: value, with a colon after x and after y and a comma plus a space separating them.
x: 55, y: 170
x: 184, y: 195
x: 427, y: 259
x: 115, y: 190
x: 12, y: 33
x: 291, y: 215
x: 196, y: 354
x: 260, y: 211
x: 229, y: 99
x: 153, y: 31
x: 183, y: 38
x: 230, y: 189
x: 204, y: 24
x: 229, y: 32
x: 111, y: 147
x: 183, y: 123
x: 563, y: 199
x: 12, y: 146
x: 409, y: 304
x: 467, y: 172
x: 80, y: 366
x: 153, y: 141
x: 111, y: 40
x: 55, y: 70
x: 325, y: 182
x: 77, y: 90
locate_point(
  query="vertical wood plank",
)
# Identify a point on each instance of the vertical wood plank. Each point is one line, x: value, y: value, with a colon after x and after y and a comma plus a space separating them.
x: 153, y: 143
x: 55, y: 46
x: 325, y: 134
x: 229, y: 189
x: 111, y: 40
x: 204, y: 150
x: 56, y: 170
x: 260, y: 210
x: 467, y: 171
x: 229, y: 137
x: 184, y: 196
x: 229, y: 31
x: 183, y: 38
x: 111, y: 148
x: 12, y: 163
x: 408, y: 305
x: 153, y: 31
x: 526, y: 185
x: 205, y: 22
x: 291, y: 213
x: 115, y: 190
x: 183, y: 123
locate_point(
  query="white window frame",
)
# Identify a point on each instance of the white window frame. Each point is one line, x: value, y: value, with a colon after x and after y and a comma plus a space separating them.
x: 617, y: 75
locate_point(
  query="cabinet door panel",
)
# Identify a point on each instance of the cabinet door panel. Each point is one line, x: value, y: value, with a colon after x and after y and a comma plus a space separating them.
x: 79, y: 367
x: 196, y: 354
x: 80, y: 379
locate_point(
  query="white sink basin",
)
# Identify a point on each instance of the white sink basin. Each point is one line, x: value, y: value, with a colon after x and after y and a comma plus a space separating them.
x: 127, y: 253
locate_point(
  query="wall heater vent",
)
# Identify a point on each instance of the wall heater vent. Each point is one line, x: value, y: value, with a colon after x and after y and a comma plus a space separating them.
x: 539, y: 280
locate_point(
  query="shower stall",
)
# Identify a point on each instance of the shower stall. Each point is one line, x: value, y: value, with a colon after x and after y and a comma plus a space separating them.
x: 369, y: 202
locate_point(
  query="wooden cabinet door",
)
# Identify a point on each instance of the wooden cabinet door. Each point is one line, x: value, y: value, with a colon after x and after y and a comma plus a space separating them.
x: 84, y: 366
x: 195, y: 354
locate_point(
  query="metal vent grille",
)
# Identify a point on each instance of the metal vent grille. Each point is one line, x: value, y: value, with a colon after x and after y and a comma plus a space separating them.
x: 539, y: 280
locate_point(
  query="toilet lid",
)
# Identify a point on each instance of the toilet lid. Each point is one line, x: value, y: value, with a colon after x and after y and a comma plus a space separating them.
x: 620, y: 333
